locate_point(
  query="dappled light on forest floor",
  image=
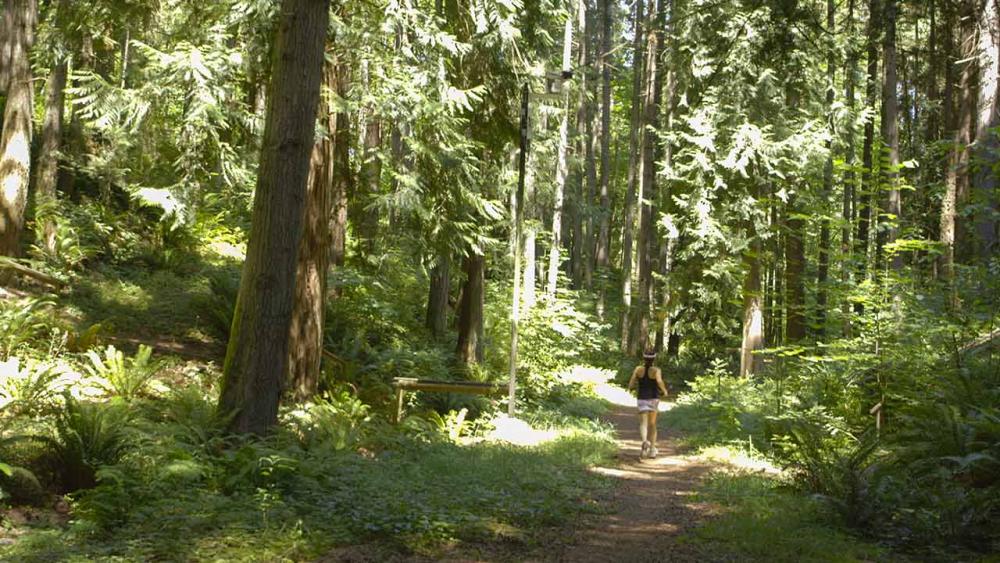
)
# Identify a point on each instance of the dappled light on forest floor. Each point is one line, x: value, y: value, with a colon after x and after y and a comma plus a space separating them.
x: 519, y: 432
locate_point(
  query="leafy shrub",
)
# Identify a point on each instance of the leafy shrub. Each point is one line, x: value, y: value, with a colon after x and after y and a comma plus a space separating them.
x: 335, y: 420
x: 27, y: 389
x: 22, y: 321
x: 88, y: 435
x: 123, y: 377
x: 219, y: 306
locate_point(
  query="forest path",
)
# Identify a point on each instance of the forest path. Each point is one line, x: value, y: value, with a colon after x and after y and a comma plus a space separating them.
x: 652, y: 507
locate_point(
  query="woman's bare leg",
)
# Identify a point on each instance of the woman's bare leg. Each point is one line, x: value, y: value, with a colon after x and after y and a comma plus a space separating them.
x: 652, y: 428
x: 643, y: 426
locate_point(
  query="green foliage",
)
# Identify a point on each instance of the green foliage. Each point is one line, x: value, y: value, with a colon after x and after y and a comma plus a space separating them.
x: 118, y: 376
x: 335, y: 420
x: 22, y: 321
x: 88, y: 436
x: 764, y: 520
x: 28, y: 389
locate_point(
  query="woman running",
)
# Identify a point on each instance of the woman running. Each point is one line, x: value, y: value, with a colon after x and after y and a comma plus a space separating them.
x: 651, y: 387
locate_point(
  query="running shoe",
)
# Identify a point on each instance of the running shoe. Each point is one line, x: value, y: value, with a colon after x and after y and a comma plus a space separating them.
x: 645, y: 449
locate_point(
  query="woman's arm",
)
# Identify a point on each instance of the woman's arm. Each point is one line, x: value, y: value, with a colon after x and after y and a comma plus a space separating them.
x: 660, y: 383
x: 631, y: 381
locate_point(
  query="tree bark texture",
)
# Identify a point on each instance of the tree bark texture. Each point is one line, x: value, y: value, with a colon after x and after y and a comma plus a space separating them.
x: 957, y: 175
x: 257, y: 355
x: 6, y: 41
x: 987, y: 146
x: 48, y: 159
x: 470, y: 315
x: 635, y: 137
x: 15, y: 139
x: 437, y: 299
x: 305, y: 339
x: 648, y: 153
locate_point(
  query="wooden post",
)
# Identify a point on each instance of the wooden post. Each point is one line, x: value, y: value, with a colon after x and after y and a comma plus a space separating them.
x: 399, y: 404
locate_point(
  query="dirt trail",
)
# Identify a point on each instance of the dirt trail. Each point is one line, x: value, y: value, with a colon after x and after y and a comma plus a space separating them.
x: 650, y: 510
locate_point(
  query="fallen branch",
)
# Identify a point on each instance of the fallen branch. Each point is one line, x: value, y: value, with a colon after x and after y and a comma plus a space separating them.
x: 11, y: 264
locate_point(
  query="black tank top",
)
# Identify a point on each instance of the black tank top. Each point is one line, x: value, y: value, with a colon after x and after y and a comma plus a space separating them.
x: 648, y: 389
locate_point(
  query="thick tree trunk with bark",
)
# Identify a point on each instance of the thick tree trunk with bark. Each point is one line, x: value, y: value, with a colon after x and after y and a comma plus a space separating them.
x: 890, y: 130
x: 15, y: 140
x: 6, y: 41
x: 957, y: 175
x: 648, y: 153
x: 470, y: 314
x: 987, y: 146
x: 635, y: 137
x: 305, y: 338
x: 257, y: 355
x: 437, y: 298
x: 48, y: 159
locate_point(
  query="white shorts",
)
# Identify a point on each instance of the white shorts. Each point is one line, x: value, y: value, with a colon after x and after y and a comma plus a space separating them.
x: 648, y: 405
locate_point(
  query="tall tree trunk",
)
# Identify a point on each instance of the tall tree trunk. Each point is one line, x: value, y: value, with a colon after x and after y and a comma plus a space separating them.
x: 470, y: 315
x: 957, y: 176
x: 437, y: 299
x: 6, y: 42
x: 369, y: 177
x: 342, y: 176
x: 257, y: 355
x: 603, y: 251
x: 588, y: 89
x: 850, y: 177
x: 647, y: 165
x: 890, y: 129
x: 48, y: 158
x: 823, y: 269
x: 987, y: 146
x: 933, y: 131
x: 635, y: 136
x: 529, y: 291
x: 795, y: 293
x: 305, y: 338
x: 15, y: 140
x: 753, y: 316
x: 562, y: 170
x: 868, y: 179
